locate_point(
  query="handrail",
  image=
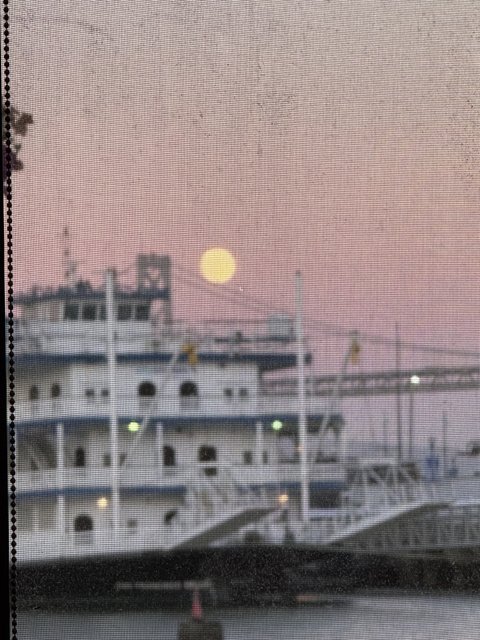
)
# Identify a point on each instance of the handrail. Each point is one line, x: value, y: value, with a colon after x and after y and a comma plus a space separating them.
x: 227, y: 472
x: 166, y: 404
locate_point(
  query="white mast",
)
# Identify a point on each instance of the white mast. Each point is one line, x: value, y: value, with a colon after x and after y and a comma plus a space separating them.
x: 111, y: 359
x: 302, y: 417
x: 60, y: 480
x: 69, y: 265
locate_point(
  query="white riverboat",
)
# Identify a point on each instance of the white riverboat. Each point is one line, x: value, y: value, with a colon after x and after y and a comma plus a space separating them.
x: 138, y: 437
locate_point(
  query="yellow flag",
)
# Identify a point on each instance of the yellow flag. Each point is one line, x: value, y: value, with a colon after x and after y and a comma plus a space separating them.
x: 191, y: 351
x: 355, y: 352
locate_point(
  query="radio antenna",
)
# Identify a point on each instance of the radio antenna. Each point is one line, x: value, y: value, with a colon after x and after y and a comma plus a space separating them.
x: 69, y: 265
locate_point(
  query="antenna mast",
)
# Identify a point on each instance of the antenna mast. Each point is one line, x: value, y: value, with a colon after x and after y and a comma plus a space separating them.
x: 69, y: 265
x: 302, y: 417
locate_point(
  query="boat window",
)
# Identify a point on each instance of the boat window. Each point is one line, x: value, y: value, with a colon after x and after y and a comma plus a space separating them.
x: 168, y: 456
x: 247, y: 457
x: 228, y: 392
x: 265, y: 457
x: 55, y: 390
x: 79, y: 457
x: 207, y: 454
x: 243, y: 393
x: 188, y: 389
x: 90, y: 393
x: 83, y: 523
x: 146, y: 390
x: 141, y: 312
x: 70, y: 311
x: 132, y: 523
x: 170, y: 515
x: 89, y: 312
x: 124, y: 312
x: 105, y: 393
x: 33, y: 393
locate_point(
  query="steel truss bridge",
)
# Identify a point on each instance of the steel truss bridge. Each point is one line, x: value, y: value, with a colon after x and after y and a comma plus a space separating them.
x: 427, y: 380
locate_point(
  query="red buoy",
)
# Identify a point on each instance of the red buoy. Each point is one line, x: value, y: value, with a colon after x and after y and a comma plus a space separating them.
x: 197, y: 628
x: 197, y: 613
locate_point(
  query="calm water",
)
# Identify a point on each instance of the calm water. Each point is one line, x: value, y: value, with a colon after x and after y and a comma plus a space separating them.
x: 369, y: 617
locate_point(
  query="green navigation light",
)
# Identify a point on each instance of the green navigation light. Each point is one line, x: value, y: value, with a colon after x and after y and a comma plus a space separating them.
x: 133, y: 426
x: 277, y: 425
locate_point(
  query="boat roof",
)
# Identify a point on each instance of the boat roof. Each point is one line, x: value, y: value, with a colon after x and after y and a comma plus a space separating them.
x: 83, y: 290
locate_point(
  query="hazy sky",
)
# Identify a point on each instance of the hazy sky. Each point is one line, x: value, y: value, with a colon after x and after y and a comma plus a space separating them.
x: 339, y: 138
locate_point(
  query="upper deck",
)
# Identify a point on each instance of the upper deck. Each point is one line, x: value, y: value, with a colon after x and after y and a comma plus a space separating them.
x: 69, y: 324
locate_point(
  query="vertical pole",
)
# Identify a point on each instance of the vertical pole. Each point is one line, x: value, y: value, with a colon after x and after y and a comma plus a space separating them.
x: 385, y: 436
x: 444, y: 442
x: 399, y: 399
x: 35, y: 525
x: 60, y: 474
x: 258, y: 443
x: 111, y: 358
x: 159, y: 442
x: 302, y: 418
x: 410, y: 422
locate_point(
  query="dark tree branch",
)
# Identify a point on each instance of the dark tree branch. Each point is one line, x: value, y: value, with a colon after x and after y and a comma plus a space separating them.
x: 19, y: 122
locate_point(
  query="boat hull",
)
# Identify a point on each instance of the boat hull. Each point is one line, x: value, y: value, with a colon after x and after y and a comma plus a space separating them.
x: 227, y: 576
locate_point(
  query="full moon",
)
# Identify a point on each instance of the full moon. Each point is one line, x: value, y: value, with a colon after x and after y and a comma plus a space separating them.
x: 217, y: 265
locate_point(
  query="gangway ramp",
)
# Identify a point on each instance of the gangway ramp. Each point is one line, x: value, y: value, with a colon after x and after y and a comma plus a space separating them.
x: 371, y: 523
x: 215, y: 508
x: 452, y: 531
x: 216, y: 528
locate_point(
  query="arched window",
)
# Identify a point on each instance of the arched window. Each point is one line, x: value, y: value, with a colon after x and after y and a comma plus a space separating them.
x: 146, y: 390
x: 188, y: 395
x: 247, y: 457
x: 188, y: 389
x: 168, y: 456
x: 33, y: 393
x: 79, y: 457
x: 208, y: 454
x: 55, y: 390
x: 83, y: 523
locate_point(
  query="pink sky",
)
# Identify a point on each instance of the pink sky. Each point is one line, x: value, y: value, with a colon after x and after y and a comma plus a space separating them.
x: 338, y: 138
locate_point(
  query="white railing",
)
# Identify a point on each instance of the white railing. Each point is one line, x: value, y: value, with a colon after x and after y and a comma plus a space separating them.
x: 165, y: 405
x: 181, y: 475
x: 90, y: 337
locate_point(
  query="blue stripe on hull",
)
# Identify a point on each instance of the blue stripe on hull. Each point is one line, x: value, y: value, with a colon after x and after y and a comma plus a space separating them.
x: 170, y: 490
x: 264, y: 361
x: 173, y: 422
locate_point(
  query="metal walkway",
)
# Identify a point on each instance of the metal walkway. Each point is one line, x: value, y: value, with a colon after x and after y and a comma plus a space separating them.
x: 433, y: 379
x: 433, y: 530
x: 392, y: 514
